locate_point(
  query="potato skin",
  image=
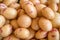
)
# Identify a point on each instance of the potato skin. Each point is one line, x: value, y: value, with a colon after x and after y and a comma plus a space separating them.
x: 48, y: 13
x: 40, y: 34
x: 24, y: 21
x: 59, y: 7
x: 10, y: 13
x: 22, y: 33
x: 45, y: 24
x: 11, y: 37
x: 6, y: 30
x: 53, y: 34
x: 2, y: 21
x: 56, y: 20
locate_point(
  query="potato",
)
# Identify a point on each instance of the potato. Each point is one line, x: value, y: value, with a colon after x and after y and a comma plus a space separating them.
x: 32, y: 33
x: 24, y: 21
x: 30, y: 10
x: 7, y: 21
x: 53, y: 1
x: 21, y: 12
x: 6, y: 30
x: 43, y: 39
x: 48, y: 13
x: 8, y: 2
x: 2, y: 21
x: 34, y: 24
x: 43, y: 1
x: 39, y: 8
x: 10, y: 13
x: 22, y: 33
x: 53, y: 34
x: 14, y: 24
x: 1, y: 0
x: 40, y: 34
x: 53, y: 6
x: 15, y: 5
x: 45, y: 24
x: 56, y: 20
x: 35, y: 2
x: 11, y: 37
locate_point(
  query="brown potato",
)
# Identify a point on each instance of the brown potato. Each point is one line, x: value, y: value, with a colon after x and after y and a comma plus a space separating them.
x: 22, y: 33
x: 45, y: 24
x: 48, y: 13
x: 59, y: 7
x: 24, y: 21
x: 10, y: 13
x: 43, y: 1
x: 6, y: 30
x: 11, y: 37
x: 40, y: 34
x: 1, y: 0
x: 35, y: 25
x: 2, y: 21
x: 14, y: 24
x: 53, y: 34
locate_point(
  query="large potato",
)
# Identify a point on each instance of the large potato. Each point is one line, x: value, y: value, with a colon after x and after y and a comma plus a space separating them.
x: 45, y: 24
x: 22, y: 33
x: 48, y: 13
x: 24, y: 21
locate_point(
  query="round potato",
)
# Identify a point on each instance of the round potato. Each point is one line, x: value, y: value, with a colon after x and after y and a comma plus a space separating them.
x: 40, y: 34
x: 22, y: 33
x: 53, y: 34
x: 48, y: 13
x: 6, y: 30
x: 2, y: 21
x: 10, y: 13
x: 24, y: 21
x: 34, y: 24
x: 43, y: 1
x: 11, y: 37
x: 45, y: 24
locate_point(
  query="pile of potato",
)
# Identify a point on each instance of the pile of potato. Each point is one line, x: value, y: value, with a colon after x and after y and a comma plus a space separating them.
x: 29, y: 20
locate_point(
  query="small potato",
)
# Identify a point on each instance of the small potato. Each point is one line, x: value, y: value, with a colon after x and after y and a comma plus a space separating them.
x: 14, y: 24
x: 53, y: 6
x: 53, y: 1
x: 15, y: 5
x: 56, y: 20
x: 34, y: 24
x: 32, y: 33
x: 53, y: 34
x: 11, y: 37
x: 21, y: 12
x: 8, y: 2
x: 40, y: 34
x: 24, y: 21
x: 6, y: 30
x: 35, y: 2
x: 30, y: 10
x: 22, y: 33
x: 48, y: 13
x: 1, y: 0
x: 43, y: 1
x: 39, y: 8
x: 2, y: 21
x: 59, y: 7
x: 10, y: 13
x: 7, y: 21
x: 45, y: 24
